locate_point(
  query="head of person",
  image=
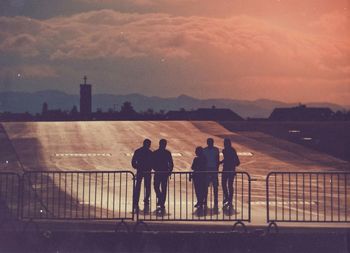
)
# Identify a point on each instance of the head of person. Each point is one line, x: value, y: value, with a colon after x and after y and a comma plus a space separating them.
x: 210, y: 142
x: 147, y: 143
x: 199, y: 151
x: 162, y: 144
x: 227, y: 143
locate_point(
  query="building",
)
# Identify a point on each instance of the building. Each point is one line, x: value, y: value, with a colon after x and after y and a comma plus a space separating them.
x: 85, y: 99
x: 301, y: 113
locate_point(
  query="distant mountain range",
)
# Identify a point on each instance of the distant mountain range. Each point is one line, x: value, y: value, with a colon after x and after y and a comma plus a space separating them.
x: 32, y: 102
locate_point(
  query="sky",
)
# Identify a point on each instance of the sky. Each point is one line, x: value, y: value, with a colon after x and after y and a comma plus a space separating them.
x: 286, y: 50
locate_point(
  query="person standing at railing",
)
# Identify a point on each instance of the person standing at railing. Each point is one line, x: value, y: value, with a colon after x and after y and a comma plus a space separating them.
x: 199, y: 177
x: 163, y: 166
x: 142, y: 162
x: 230, y: 162
x: 212, y: 154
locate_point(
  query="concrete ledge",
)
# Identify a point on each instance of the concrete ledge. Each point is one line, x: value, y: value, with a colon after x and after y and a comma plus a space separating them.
x: 176, y: 242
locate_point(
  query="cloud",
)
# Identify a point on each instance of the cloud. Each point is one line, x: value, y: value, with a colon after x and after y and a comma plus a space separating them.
x: 109, y: 3
x: 237, y: 52
x: 335, y: 23
x: 29, y: 71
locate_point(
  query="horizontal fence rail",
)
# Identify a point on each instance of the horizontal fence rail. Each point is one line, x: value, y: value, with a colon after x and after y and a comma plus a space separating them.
x: 181, y: 198
x: 9, y: 196
x: 308, y: 197
x: 78, y: 195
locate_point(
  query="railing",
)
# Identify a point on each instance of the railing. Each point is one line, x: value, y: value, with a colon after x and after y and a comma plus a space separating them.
x: 78, y: 195
x: 110, y: 195
x: 9, y: 196
x: 181, y: 199
x: 308, y: 197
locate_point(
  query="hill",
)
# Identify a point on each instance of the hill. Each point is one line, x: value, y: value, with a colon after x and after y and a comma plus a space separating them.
x: 32, y: 102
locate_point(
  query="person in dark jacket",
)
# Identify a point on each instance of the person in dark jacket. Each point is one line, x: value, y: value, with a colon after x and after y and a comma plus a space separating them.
x: 230, y: 162
x: 199, y: 177
x: 142, y: 162
x: 163, y: 166
x: 212, y: 155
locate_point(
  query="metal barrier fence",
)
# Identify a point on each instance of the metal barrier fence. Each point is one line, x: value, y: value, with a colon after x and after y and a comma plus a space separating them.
x: 9, y: 196
x: 78, y: 195
x: 110, y: 195
x: 181, y: 198
x: 308, y: 197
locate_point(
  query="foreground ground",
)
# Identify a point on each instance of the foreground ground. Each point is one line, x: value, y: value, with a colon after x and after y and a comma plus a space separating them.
x: 289, y: 241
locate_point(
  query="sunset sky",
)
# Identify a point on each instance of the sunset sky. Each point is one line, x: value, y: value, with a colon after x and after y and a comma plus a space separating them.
x: 287, y: 50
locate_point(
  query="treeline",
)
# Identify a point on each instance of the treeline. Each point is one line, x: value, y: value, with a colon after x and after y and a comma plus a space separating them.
x: 127, y: 112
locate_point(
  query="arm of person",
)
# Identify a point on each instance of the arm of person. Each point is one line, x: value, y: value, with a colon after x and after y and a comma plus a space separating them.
x: 193, y: 164
x: 134, y: 160
x: 237, y: 161
x: 170, y: 164
x: 217, y: 158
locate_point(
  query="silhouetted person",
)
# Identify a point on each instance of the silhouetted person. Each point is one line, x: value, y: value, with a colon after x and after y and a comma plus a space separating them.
x: 230, y: 162
x: 199, y: 177
x: 212, y: 154
x: 142, y: 162
x: 163, y: 166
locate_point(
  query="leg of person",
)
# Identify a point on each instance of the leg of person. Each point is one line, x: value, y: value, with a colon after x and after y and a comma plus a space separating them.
x: 230, y: 187
x: 203, y: 190
x: 147, y: 182
x: 197, y: 189
x: 137, y: 189
x: 156, y: 185
x: 224, y: 181
x: 164, y: 184
x: 206, y: 189
x: 215, y: 181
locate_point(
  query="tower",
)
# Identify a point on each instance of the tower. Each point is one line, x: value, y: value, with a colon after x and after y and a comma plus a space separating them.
x: 85, y: 99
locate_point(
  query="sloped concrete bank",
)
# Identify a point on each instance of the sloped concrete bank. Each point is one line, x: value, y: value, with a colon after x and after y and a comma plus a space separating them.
x: 177, y: 242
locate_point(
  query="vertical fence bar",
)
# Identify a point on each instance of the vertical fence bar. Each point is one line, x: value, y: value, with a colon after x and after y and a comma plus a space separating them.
x: 83, y: 207
x: 297, y: 196
x: 290, y: 196
x: 249, y: 199
x: 282, y: 196
x: 331, y: 197
x: 346, y: 198
x: 180, y: 196
x: 71, y: 195
x: 114, y: 196
x: 276, y: 217
x: 120, y: 194
x: 338, y: 198
x: 236, y: 202
x: 77, y: 197
x: 317, y: 197
x: 107, y: 195
x: 59, y: 194
x: 65, y: 194
x: 303, y: 196
x: 101, y: 214
x: 324, y: 197
x: 126, y: 192
x: 310, y: 190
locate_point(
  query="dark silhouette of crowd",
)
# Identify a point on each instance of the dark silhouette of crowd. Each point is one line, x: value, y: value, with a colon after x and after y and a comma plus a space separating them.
x: 205, y: 173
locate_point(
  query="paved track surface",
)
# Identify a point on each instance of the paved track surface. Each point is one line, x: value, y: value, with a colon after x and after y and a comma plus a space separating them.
x: 108, y: 146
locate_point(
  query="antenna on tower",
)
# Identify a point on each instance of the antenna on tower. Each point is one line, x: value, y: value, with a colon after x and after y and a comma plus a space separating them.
x: 85, y: 80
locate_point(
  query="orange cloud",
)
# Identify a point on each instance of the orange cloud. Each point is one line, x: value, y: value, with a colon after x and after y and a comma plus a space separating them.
x: 238, y: 53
